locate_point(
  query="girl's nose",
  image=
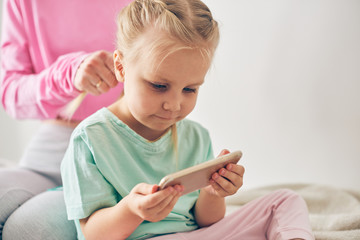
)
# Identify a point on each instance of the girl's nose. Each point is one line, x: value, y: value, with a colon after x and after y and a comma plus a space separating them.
x: 172, y: 105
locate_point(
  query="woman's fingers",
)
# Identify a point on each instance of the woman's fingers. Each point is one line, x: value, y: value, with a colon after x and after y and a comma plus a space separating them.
x: 96, y: 74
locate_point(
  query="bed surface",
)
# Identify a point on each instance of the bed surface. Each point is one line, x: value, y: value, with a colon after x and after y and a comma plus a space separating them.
x: 334, y: 212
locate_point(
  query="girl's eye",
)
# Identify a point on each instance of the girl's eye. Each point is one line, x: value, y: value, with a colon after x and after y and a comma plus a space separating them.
x: 189, y: 90
x: 159, y: 87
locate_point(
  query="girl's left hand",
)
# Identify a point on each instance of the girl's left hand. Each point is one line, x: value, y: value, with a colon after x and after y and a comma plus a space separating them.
x: 226, y: 181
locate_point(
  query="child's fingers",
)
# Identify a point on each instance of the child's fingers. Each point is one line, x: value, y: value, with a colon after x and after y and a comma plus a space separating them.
x: 234, y: 175
x: 174, y: 201
x: 159, y: 207
x: 150, y: 201
x: 166, y: 203
x: 149, y: 198
x: 163, y: 208
x: 144, y: 188
x: 155, y: 188
x: 223, y: 152
x: 171, y: 204
x: 224, y: 183
x: 219, y: 190
x: 238, y: 169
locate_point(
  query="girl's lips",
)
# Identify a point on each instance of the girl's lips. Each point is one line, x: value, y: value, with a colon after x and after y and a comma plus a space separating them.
x: 167, y: 118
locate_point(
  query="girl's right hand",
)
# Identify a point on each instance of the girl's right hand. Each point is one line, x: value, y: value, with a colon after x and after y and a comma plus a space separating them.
x: 152, y: 205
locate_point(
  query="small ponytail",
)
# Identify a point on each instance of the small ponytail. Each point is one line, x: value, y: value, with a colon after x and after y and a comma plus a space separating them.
x: 72, y: 106
x: 174, y: 138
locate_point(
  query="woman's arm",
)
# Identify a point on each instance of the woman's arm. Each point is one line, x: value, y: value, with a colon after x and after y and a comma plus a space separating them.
x: 26, y: 91
x: 38, y: 82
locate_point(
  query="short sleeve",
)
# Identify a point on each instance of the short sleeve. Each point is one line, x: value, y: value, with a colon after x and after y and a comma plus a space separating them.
x: 85, y: 188
x: 210, y: 152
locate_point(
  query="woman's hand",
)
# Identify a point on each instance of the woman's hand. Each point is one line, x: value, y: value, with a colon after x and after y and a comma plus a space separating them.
x: 95, y: 74
x: 226, y: 181
x: 152, y: 205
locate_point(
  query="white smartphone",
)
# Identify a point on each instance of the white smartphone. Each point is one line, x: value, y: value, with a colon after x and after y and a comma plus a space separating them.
x: 198, y: 176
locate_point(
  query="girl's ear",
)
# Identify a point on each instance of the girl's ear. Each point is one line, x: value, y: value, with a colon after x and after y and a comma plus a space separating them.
x: 118, y: 66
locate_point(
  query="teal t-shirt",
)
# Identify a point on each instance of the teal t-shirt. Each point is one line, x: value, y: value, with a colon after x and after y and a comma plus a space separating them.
x: 106, y: 159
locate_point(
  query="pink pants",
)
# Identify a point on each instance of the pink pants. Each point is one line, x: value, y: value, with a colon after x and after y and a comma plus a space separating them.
x: 279, y: 215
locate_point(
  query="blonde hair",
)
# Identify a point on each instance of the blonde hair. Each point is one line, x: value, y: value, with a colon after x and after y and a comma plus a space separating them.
x: 171, y: 25
x: 186, y: 24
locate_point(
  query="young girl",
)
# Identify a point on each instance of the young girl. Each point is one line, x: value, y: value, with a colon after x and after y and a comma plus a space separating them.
x: 118, y: 155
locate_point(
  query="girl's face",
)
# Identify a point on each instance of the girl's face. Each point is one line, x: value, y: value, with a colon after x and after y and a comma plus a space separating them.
x: 157, y: 96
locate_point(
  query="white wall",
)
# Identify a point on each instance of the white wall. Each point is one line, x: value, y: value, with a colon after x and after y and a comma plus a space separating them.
x: 284, y: 89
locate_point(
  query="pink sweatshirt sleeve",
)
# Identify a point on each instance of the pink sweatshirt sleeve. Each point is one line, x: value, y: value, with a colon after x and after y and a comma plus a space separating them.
x: 27, y: 92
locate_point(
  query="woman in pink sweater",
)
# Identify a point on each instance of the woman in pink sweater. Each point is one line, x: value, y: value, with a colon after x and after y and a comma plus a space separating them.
x: 51, y: 51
